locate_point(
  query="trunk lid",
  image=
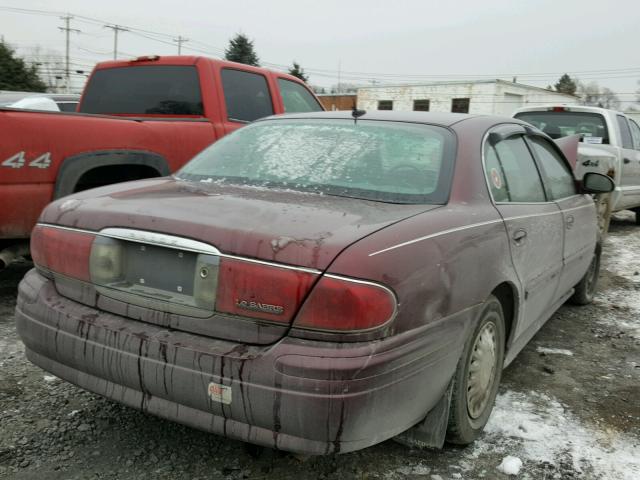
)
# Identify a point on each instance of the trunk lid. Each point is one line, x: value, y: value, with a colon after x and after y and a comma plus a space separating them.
x: 281, y: 227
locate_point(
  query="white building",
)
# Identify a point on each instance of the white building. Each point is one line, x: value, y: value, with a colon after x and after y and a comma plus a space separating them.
x: 497, y: 97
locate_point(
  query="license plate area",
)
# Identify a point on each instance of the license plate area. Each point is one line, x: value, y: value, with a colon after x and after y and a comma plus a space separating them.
x: 164, y: 269
x: 156, y: 277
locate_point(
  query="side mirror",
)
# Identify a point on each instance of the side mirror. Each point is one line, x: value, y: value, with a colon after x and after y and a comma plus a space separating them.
x: 597, y: 183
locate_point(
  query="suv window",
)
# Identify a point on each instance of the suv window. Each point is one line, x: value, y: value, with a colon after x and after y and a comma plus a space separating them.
x: 246, y: 95
x: 518, y: 171
x: 559, y: 176
x: 635, y: 133
x: 144, y: 89
x: 296, y: 98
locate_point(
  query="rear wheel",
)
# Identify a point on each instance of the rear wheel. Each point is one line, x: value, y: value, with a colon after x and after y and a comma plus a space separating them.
x: 637, y: 210
x: 477, y: 377
x: 585, y: 290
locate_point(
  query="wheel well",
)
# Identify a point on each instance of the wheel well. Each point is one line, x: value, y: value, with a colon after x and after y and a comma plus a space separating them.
x: 504, y: 294
x: 108, y: 174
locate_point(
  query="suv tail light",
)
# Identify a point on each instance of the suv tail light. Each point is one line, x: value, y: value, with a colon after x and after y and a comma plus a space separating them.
x: 257, y: 290
x: 344, y: 305
x: 62, y: 251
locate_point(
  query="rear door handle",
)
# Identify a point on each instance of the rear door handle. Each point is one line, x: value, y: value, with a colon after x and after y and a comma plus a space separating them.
x: 519, y: 236
x: 626, y: 160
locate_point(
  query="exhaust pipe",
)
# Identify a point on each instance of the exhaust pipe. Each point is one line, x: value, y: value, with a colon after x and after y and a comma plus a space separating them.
x: 9, y: 254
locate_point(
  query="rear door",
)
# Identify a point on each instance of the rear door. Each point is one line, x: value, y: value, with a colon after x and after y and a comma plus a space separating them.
x: 630, y: 178
x: 578, y: 212
x: 534, y: 223
x: 247, y: 97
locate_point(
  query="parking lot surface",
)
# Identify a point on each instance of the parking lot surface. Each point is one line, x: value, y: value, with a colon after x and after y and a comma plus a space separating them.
x: 569, y: 407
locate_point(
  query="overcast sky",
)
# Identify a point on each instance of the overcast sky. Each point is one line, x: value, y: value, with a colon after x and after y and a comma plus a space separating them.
x: 367, y: 40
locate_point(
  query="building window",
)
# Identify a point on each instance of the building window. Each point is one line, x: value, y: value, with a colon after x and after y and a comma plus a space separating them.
x: 385, y: 104
x: 460, y: 105
x: 421, y: 105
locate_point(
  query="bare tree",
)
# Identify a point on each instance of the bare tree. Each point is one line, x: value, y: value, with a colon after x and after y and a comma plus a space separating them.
x: 593, y: 94
x: 51, y: 66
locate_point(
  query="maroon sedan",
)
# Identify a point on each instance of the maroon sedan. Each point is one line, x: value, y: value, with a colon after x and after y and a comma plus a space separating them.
x: 318, y: 282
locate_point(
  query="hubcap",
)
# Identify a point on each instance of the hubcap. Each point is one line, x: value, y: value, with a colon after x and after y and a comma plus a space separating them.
x: 482, y: 370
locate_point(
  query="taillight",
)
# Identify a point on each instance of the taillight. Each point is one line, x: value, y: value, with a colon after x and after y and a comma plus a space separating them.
x: 259, y: 290
x: 342, y: 304
x: 62, y: 251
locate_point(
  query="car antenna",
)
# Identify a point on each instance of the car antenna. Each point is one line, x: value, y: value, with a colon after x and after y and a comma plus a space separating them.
x: 355, y: 113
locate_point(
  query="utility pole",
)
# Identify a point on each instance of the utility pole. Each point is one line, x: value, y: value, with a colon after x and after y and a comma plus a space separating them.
x: 180, y: 40
x: 339, y: 75
x: 116, y: 29
x: 67, y: 29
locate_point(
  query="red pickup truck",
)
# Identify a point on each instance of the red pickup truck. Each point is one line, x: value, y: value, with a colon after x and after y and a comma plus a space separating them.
x: 136, y: 119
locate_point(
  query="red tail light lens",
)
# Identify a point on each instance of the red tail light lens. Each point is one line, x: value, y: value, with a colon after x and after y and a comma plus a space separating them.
x: 258, y: 290
x: 342, y: 304
x: 62, y: 251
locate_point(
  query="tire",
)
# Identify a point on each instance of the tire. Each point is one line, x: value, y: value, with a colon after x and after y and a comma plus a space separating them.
x: 585, y: 290
x: 469, y: 411
x: 637, y: 216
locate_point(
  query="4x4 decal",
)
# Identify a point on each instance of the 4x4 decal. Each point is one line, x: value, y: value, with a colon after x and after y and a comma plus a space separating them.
x: 18, y: 161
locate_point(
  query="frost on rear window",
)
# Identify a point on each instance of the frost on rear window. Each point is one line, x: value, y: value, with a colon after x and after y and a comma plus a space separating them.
x: 386, y: 161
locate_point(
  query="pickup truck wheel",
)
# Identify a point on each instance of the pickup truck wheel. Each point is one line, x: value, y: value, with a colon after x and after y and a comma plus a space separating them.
x: 585, y: 290
x: 477, y: 377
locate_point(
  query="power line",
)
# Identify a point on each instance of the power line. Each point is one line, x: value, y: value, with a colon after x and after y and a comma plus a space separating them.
x: 67, y: 29
x: 116, y: 29
x: 180, y: 40
x: 381, y: 77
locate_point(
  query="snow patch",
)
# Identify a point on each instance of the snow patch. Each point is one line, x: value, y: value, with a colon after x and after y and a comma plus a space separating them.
x: 540, y: 429
x: 554, y: 351
x: 50, y: 378
x: 510, y: 465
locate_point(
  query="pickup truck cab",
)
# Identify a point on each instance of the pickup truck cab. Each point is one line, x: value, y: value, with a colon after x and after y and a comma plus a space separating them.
x: 136, y: 119
x: 609, y: 144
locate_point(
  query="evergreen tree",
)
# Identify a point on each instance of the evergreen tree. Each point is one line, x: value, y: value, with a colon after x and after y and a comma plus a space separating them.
x: 15, y: 74
x: 566, y: 84
x: 241, y: 50
x: 297, y: 71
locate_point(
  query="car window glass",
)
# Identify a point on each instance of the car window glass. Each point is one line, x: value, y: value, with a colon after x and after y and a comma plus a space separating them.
x: 557, y: 173
x: 495, y: 176
x: 635, y: 133
x: 384, y: 161
x: 522, y: 177
x: 296, y: 98
x: 625, y: 133
x: 246, y: 95
x: 559, y: 124
x: 144, y: 90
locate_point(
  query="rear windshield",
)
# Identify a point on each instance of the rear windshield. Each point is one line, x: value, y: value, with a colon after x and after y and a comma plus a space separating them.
x: 144, y: 89
x: 592, y: 126
x: 382, y: 161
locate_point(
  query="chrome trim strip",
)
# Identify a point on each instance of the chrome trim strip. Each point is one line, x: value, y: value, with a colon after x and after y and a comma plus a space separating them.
x: 174, y: 242
x: 160, y: 240
x: 272, y: 264
x: 437, y: 234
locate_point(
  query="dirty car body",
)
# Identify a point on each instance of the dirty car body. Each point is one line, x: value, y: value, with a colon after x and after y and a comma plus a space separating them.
x: 309, y: 282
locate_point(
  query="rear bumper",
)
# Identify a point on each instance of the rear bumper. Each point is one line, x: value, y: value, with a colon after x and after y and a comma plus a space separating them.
x: 296, y: 395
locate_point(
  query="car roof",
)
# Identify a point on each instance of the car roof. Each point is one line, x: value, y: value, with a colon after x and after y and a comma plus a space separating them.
x: 569, y: 108
x: 431, y: 118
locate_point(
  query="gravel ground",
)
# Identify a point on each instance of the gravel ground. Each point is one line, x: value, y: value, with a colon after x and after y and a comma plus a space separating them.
x: 569, y: 407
